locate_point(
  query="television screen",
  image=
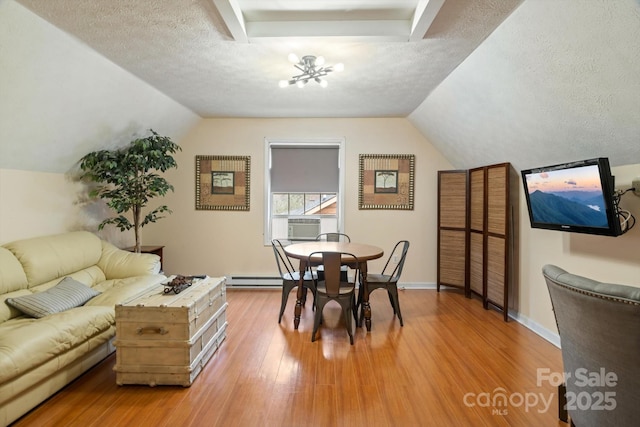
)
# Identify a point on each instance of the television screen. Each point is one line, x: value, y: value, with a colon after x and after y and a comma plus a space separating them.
x: 576, y: 197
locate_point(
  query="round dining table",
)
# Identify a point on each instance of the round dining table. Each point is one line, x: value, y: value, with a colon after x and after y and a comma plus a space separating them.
x: 363, y: 252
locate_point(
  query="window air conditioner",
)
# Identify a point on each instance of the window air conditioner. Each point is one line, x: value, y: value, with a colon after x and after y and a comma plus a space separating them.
x: 303, y: 228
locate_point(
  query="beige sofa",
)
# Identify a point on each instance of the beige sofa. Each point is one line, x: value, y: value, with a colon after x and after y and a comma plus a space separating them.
x: 39, y: 356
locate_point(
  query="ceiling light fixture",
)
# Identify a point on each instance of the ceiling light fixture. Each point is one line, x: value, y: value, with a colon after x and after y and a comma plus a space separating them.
x: 312, y: 68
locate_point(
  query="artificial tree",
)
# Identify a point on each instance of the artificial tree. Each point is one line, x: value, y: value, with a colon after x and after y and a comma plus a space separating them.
x: 127, y: 178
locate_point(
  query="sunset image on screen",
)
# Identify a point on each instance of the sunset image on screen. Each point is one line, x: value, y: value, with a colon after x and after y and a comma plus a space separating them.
x: 585, y: 178
x: 571, y: 196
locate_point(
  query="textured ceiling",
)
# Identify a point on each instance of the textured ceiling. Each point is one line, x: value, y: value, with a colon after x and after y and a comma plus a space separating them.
x: 546, y: 88
x: 185, y: 50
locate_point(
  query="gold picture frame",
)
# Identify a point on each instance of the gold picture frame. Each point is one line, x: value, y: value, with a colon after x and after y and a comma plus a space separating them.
x: 386, y: 181
x: 222, y: 183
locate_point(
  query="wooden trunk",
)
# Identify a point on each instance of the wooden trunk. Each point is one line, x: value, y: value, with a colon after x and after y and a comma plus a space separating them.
x: 166, y: 338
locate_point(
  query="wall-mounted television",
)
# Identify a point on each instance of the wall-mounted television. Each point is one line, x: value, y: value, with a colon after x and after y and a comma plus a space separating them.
x: 577, y: 197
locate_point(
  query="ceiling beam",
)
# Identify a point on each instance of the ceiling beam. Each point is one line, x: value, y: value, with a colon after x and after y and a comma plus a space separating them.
x: 353, y: 30
x: 386, y: 30
x: 232, y: 16
x: 425, y: 14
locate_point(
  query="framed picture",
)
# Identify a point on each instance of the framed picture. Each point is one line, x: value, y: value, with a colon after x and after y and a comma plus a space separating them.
x: 222, y: 183
x: 386, y: 181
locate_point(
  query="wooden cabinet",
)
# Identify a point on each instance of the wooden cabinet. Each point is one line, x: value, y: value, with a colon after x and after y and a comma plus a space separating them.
x: 490, y: 234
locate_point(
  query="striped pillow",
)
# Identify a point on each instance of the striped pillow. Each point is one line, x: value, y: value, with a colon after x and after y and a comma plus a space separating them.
x: 67, y: 294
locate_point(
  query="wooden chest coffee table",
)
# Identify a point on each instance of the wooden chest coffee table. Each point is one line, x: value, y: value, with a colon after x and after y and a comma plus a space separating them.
x: 163, y: 338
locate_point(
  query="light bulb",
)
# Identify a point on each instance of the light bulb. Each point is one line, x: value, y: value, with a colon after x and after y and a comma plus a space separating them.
x: 300, y: 83
x: 293, y: 58
x: 323, y: 83
x: 339, y: 67
x: 283, y: 83
x: 320, y: 61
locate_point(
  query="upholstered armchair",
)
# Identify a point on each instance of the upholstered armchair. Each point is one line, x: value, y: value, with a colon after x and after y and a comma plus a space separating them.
x: 599, y: 327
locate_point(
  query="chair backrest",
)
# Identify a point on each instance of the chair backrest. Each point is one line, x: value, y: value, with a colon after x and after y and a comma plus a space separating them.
x: 599, y: 327
x: 332, y: 261
x: 399, y: 251
x: 333, y: 237
x: 284, y: 263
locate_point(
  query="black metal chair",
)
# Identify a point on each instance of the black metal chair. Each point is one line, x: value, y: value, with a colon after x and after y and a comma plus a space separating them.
x: 388, y: 280
x: 291, y: 277
x: 333, y: 288
x: 333, y: 237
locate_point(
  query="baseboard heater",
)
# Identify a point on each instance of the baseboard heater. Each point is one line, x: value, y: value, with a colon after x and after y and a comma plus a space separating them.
x: 254, y: 281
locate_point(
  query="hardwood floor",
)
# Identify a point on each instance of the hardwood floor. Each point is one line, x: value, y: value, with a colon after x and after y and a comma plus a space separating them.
x: 445, y: 367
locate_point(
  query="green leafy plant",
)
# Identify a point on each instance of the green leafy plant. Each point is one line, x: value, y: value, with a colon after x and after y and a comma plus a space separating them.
x: 127, y: 179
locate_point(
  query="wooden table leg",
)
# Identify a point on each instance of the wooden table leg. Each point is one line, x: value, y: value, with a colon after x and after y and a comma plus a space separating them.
x: 366, y: 307
x: 299, y: 295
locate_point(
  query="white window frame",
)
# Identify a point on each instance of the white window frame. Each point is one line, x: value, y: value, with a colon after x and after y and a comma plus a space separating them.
x: 317, y: 142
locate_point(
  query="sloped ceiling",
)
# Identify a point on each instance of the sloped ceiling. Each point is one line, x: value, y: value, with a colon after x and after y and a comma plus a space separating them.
x: 558, y: 81
x: 533, y: 82
x: 184, y: 49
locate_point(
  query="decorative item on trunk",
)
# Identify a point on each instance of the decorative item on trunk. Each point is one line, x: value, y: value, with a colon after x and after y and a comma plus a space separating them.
x: 179, y: 282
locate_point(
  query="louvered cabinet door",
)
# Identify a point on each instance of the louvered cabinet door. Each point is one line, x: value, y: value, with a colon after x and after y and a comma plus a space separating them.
x: 452, y: 229
x: 476, y: 231
x: 498, y: 234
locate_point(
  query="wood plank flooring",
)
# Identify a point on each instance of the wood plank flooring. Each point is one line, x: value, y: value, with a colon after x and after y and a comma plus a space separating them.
x: 448, y: 366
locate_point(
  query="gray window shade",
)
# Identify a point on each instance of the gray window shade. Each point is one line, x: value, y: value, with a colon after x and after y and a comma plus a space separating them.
x: 313, y: 169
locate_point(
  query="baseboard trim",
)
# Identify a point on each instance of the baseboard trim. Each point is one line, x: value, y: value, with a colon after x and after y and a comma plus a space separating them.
x: 417, y: 285
x: 254, y: 282
x: 535, y: 327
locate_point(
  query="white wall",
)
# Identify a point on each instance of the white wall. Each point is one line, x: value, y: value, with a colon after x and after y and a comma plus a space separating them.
x: 230, y: 242
x: 61, y: 100
x: 557, y: 81
x: 35, y: 204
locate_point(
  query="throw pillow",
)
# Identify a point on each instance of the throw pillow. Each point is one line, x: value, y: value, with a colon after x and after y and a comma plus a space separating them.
x: 67, y: 294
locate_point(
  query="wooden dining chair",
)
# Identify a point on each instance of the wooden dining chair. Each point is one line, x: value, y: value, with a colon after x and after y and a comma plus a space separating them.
x: 388, y: 279
x: 333, y: 288
x: 333, y: 237
x: 290, y: 276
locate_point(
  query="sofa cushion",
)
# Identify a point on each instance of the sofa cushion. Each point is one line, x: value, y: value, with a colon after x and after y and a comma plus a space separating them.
x: 12, y: 277
x: 120, y: 290
x: 47, y: 258
x: 67, y: 294
x: 25, y: 342
x: 90, y: 276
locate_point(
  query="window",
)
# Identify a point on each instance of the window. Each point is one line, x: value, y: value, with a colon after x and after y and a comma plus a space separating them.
x: 293, y: 204
x: 303, y: 188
